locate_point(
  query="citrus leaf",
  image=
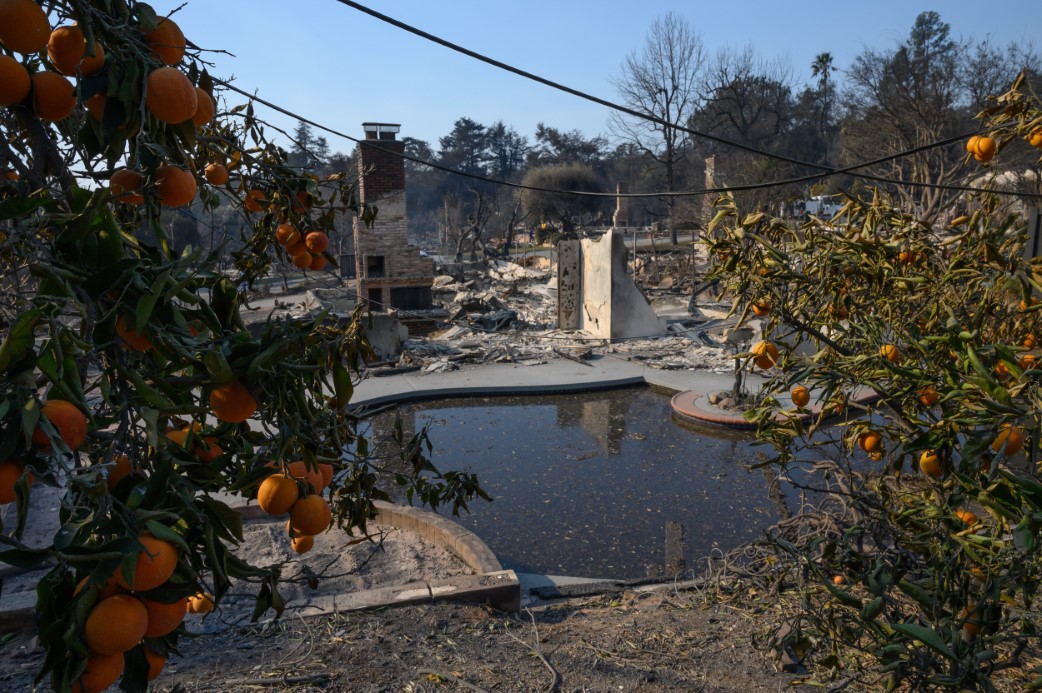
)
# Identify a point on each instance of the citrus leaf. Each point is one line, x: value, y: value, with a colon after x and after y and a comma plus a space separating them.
x: 926, y: 636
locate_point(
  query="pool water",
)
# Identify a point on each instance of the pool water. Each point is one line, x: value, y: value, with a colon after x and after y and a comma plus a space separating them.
x: 584, y: 484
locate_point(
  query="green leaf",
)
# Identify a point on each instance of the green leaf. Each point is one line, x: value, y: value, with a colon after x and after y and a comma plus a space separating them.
x: 227, y: 521
x: 161, y: 531
x: 20, y: 339
x: 926, y: 636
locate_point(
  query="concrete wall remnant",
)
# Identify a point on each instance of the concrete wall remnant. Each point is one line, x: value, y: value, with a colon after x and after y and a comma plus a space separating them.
x: 610, y: 305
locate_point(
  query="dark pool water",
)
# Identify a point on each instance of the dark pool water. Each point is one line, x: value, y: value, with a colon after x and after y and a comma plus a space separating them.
x: 584, y: 484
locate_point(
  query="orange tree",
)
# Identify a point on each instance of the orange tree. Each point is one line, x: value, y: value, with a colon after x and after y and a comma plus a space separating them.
x: 127, y: 377
x: 919, y: 346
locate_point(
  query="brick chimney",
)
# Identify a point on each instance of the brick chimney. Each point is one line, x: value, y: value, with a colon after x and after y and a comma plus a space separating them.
x: 381, y: 169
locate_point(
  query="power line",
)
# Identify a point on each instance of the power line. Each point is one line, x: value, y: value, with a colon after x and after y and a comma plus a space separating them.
x: 683, y: 193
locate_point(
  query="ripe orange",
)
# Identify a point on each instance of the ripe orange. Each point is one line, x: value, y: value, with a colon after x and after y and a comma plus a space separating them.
x: 170, y: 96
x: 302, y: 544
x: 838, y: 580
x: 927, y: 396
x: 14, y: 81
x: 1028, y: 361
x: 255, y: 201
x: 1029, y: 342
x: 318, y: 263
x: 761, y: 308
x: 971, y: 624
x: 109, y: 589
x: 68, y: 419
x: 870, y: 441
x: 310, y: 515
x: 119, y: 471
x: 891, y: 353
x: 175, y: 186
x: 67, y: 51
x: 232, y: 402
x: 125, y: 186
x: 277, y: 494
x: 302, y: 260
x: 205, y: 109
x: 971, y: 144
x: 53, y: 96
x: 984, y: 149
x: 296, y: 248
x: 167, y: 41
x: 930, y: 464
x: 96, y: 106
x: 800, y: 396
x: 287, y: 234
x: 23, y: 26
x: 156, y: 562
x: 115, y: 625
x: 216, y: 174
x: 1035, y: 138
x: 208, y: 450
x: 765, y: 355
x: 301, y: 202
x: 102, y: 671
x: 10, y: 473
x: 1012, y: 437
x: 135, y: 341
x: 156, y: 662
x: 312, y: 479
x: 968, y: 518
x: 326, y: 470
x: 200, y: 603
x: 316, y: 241
x: 164, y: 618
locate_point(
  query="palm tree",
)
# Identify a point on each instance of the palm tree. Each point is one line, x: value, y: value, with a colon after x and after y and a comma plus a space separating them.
x: 821, y: 68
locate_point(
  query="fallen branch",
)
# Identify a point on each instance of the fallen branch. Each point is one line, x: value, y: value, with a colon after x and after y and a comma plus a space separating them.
x: 449, y: 677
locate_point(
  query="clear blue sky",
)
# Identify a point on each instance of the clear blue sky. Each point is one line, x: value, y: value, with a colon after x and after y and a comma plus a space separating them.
x: 341, y: 67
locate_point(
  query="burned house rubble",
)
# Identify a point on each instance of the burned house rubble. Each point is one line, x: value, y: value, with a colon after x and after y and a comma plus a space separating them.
x: 506, y: 312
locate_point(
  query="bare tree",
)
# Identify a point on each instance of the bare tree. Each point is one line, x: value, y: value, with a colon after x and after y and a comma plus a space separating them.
x: 662, y: 81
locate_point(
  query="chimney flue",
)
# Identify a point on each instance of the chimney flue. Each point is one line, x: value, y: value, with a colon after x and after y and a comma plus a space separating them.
x: 381, y: 131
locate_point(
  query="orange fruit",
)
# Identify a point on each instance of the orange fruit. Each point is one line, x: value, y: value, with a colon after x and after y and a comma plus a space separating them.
x: 971, y: 144
x: 287, y: 234
x: 765, y: 355
x: 984, y: 149
x: 125, y: 186
x: 316, y: 241
x: 927, y: 396
x: 301, y: 202
x: 156, y: 562
x: 255, y: 201
x: 68, y: 419
x: 156, y: 662
x: 232, y: 402
x: 67, y: 51
x: 170, y: 96
x: 870, y: 441
x: 53, y: 96
x: 971, y: 624
x: 302, y: 544
x: 800, y: 396
x: 10, y: 473
x: 102, y: 671
x: 968, y: 518
x: 164, y: 618
x: 297, y: 248
x: 891, y: 353
x: 277, y: 494
x: 761, y: 308
x: 1012, y: 437
x: 115, y: 625
x: 326, y: 470
x: 302, y: 260
x: 216, y: 174
x: 205, y: 109
x: 23, y: 26
x: 96, y: 106
x: 208, y: 450
x: 1029, y: 342
x: 119, y: 471
x: 133, y: 340
x: 310, y: 515
x: 167, y: 41
x: 1035, y: 138
x: 175, y: 186
x: 312, y: 479
x: 930, y: 464
x: 318, y: 263
x: 838, y: 580
x: 200, y: 603
x: 14, y: 81
x: 109, y: 589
